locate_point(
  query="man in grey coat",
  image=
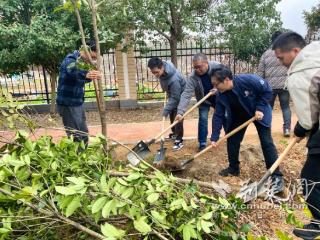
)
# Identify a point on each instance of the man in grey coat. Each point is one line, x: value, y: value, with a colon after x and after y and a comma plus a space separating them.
x: 173, y: 83
x: 271, y: 69
x: 199, y: 83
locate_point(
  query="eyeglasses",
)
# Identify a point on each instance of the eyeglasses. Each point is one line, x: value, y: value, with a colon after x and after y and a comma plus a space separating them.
x: 198, y: 66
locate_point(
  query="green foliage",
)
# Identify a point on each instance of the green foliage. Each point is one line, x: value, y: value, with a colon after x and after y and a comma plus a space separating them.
x: 75, y: 180
x: 247, y: 26
x: 312, y: 18
x: 10, y: 112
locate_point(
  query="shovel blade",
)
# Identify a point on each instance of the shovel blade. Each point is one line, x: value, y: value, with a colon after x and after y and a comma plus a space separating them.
x: 250, y: 192
x: 160, y: 156
x: 141, y: 149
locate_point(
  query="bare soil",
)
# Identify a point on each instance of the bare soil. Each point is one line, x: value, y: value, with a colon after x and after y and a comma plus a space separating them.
x: 266, y: 217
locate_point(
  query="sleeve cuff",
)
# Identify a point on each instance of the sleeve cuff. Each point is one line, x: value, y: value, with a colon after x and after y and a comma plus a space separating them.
x: 299, y: 131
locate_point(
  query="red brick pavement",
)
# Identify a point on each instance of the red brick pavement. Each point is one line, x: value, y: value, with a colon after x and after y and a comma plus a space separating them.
x: 133, y: 132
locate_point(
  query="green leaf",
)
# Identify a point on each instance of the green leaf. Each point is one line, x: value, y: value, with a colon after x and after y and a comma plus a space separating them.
x: 133, y: 176
x: 142, y: 226
x: 29, y: 146
x: 127, y: 193
x: 4, y: 230
x: 176, y: 204
x: 73, y: 206
x: 153, y: 197
x: 283, y: 236
x: 98, y: 204
x: 245, y: 228
x: 110, y: 231
x: 207, y: 216
x: 206, y: 226
x: 108, y: 207
x: 65, y: 190
x: 188, y: 232
x: 122, y: 182
x: 77, y: 180
x: 103, y: 183
x: 224, y: 202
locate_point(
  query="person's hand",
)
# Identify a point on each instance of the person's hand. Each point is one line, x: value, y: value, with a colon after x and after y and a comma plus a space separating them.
x: 213, y: 91
x: 259, y: 115
x: 178, y: 117
x: 94, y: 74
x: 214, y: 144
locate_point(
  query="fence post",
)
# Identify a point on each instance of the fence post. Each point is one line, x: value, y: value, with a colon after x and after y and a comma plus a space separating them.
x: 46, y: 84
x: 126, y: 77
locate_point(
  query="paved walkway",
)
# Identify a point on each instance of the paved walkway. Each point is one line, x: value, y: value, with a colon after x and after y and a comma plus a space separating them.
x: 133, y: 132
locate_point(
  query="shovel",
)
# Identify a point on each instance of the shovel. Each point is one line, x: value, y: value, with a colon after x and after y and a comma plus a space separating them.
x: 162, y: 151
x: 184, y: 163
x: 253, y: 190
x: 142, y: 148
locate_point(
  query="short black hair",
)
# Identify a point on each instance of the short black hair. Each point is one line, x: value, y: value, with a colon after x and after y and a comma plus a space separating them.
x: 91, y: 44
x: 222, y: 73
x: 155, y: 62
x: 275, y: 35
x: 289, y: 40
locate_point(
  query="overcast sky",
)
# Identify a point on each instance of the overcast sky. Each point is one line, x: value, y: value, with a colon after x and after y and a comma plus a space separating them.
x: 292, y: 14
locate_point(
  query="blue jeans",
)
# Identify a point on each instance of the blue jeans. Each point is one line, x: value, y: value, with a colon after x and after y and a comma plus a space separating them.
x: 284, y: 98
x: 203, y: 124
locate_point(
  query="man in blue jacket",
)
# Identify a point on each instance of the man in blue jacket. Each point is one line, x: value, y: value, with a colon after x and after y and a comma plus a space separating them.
x: 70, y: 94
x: 173, y: 83
x: 239, y: 99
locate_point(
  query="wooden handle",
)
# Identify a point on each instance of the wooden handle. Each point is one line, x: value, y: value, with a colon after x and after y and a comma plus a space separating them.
x: 211, y: 93
x: 245, y: 124
x: 283, y: 155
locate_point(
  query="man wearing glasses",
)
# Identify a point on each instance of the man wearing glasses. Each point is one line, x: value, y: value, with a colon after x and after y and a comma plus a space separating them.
x: 199, y: 83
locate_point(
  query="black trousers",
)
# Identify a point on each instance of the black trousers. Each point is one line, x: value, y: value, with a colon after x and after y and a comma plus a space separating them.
x: 268, y: 148
x: 74, y: 120
x: 178, y: 128
x: 310, y: 177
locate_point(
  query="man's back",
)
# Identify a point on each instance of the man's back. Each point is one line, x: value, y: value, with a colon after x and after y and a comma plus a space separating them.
x: 271, y: 69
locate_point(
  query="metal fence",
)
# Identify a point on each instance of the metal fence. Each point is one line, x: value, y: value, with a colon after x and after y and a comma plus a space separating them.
x: 148, y: 85
x: 34, y: 85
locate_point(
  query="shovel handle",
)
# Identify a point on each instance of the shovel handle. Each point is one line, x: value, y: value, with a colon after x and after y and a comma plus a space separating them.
x: 211, y: 93
x: 234, y: 131
x: 283, y: 155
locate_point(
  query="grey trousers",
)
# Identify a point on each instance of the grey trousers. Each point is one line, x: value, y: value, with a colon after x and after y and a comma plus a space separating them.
x: 74, y: 120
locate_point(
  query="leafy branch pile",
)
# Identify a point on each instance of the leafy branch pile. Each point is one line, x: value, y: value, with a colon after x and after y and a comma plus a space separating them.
x: 44, y: 186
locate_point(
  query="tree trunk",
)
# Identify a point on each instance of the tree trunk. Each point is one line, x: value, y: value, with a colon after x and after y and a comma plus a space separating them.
x: 103, y: 116
x: 97, y: 86
x: 53, y: 76
x: 173, y: 50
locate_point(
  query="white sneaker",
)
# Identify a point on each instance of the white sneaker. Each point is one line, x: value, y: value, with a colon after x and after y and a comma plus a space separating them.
x: 178, y: 144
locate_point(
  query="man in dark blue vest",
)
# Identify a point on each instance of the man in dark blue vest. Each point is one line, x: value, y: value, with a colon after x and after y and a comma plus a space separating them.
x: 70, y: 94
x: 240, y: 98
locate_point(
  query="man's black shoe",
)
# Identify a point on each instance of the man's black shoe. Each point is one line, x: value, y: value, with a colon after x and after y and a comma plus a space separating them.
x: 229, y: 171
x: 201, y: 147
x: 171, y: 136
x: 309, y: 231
